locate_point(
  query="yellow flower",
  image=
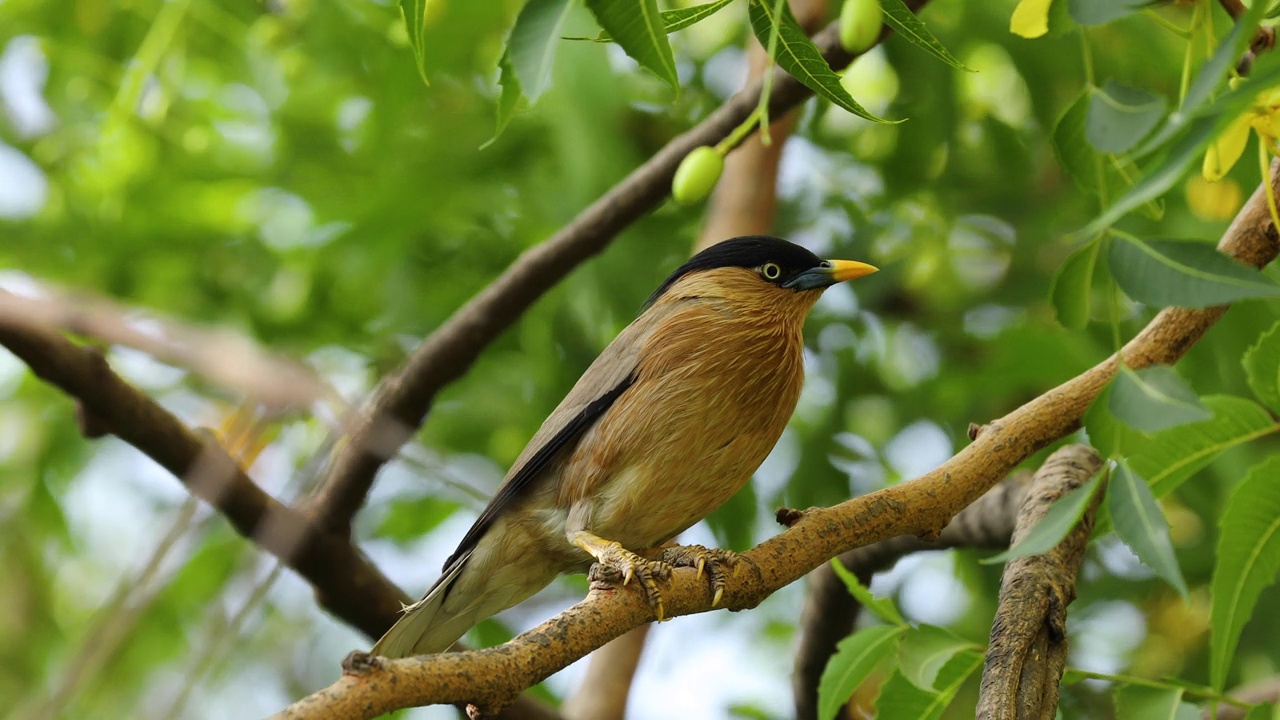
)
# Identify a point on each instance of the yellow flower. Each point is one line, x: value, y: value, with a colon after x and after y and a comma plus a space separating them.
x: 1263, y: 117
x: 1031, y: 18
x: 1213, y: 201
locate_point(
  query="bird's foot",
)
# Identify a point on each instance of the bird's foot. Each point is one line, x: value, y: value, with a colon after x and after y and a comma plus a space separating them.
x: 628, y: 565
x: 713, y: 561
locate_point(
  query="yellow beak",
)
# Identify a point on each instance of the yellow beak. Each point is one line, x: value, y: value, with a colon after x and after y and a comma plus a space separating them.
x: 842, y: 270
x: 829, y: 273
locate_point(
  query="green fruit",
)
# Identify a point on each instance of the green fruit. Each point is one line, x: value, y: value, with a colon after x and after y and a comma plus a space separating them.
x: 860, y: 22
x: 697, y: 175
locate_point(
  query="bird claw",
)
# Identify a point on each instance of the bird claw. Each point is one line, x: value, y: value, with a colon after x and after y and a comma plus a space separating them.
x: 631, y: 566
x: 713, y: 561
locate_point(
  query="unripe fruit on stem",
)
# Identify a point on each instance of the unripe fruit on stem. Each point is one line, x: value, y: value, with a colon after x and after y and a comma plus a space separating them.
x: 860, y: 22
x: 697, y: 175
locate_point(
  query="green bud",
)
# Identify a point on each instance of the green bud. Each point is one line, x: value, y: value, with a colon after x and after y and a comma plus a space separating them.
x: 697, y: 175
x: 860, y: 22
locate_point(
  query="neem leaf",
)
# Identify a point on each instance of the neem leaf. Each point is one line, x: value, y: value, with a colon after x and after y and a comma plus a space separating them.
x: 1098, y: 12
x: 856, y: 656
x: 531, y: 47
x: 901, y: 699
x: 1075, y: 155
x: 926, y: 650
x: 680, y: 18
x: 796, y: 53
x: 1248, y: 560
x: 1154, y: 399
x: 415, y: 14
x: 1139, y: 702
x: 1071, y: 286
x: 1185, y: 138
x: 1055, y: 524
x: 509, y: 99
x: 637, y: 26
x: 904, y: 22
x: 1120, y: 116
x: 1141, y: 525
x: 883, y: 608
x: 1262, y: 367
x: 675, y: 19
x: 1176, y: 454
x: 1110, y: 437
x: 1186, y: 274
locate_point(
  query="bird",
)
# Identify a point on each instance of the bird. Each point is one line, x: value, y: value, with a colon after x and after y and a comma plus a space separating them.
x: 670, y: 421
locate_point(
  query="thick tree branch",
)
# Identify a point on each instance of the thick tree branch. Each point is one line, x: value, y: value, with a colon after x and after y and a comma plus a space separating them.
x: 921, y: 507
x: 1028, y: 648
x: 346, y: 583
x: 402, y: 401
x: 830, y: 611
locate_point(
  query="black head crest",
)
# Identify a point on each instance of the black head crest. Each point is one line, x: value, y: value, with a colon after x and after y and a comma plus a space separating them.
x: 749, y: 251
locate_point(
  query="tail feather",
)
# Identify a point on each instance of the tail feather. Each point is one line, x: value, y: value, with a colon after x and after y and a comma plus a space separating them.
x: 426, y: 627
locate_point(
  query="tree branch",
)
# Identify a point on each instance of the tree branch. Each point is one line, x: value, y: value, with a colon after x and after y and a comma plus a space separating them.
x: 346, y: 583
x: 1028, y: 648
x: 830, y: 611
x: 403, y: 399
x: 920, y: 507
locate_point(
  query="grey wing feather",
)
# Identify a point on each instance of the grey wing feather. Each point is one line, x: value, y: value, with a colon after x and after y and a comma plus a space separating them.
x: 608, y: 377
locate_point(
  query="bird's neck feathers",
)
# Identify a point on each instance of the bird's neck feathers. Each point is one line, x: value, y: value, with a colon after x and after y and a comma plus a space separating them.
x: 743, y: 293
x: 731, y: 323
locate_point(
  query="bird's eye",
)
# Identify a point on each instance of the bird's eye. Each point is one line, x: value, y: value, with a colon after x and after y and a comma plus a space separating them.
x: 770, y: 271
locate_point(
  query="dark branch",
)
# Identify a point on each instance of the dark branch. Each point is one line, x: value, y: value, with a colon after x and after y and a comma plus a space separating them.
x: 830, y: 611
x: 1028, y: 648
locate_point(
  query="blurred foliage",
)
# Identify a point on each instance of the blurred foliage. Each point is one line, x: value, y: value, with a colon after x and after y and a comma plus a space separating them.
x: 280, y: 168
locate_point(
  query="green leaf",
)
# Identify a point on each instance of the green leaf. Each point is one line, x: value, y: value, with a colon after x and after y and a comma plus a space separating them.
x: 531, y: 47
x: 1248, y: 560
x: 1186, y: 136
x: 1075, y: 155
x: 883, y: 608
x: 1099, y: 12
x: 796, y: 53
x: 925, y: 651
x: 1054, y: 526
x: 1071, y: 286
x: 1174, y: 455
x: 1262, y: 367
x: 1215, y: 72
x: 1154, y: 398
x: 1141, y: 525
x: 1109, y: 436
x: 901, y: 699
x: 415, y: 17
x: 855, y: 657
x: 509, y: 100
x: 637, y: 26
x: 1120, y: 116
x: 681, y: 18
x: 676, y: 19
x: 1139, y: 702
x: 1162, y: 273
x: 904, y: 22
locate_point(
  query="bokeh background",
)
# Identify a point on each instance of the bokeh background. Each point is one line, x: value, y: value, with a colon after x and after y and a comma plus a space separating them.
x: 280, y: 169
